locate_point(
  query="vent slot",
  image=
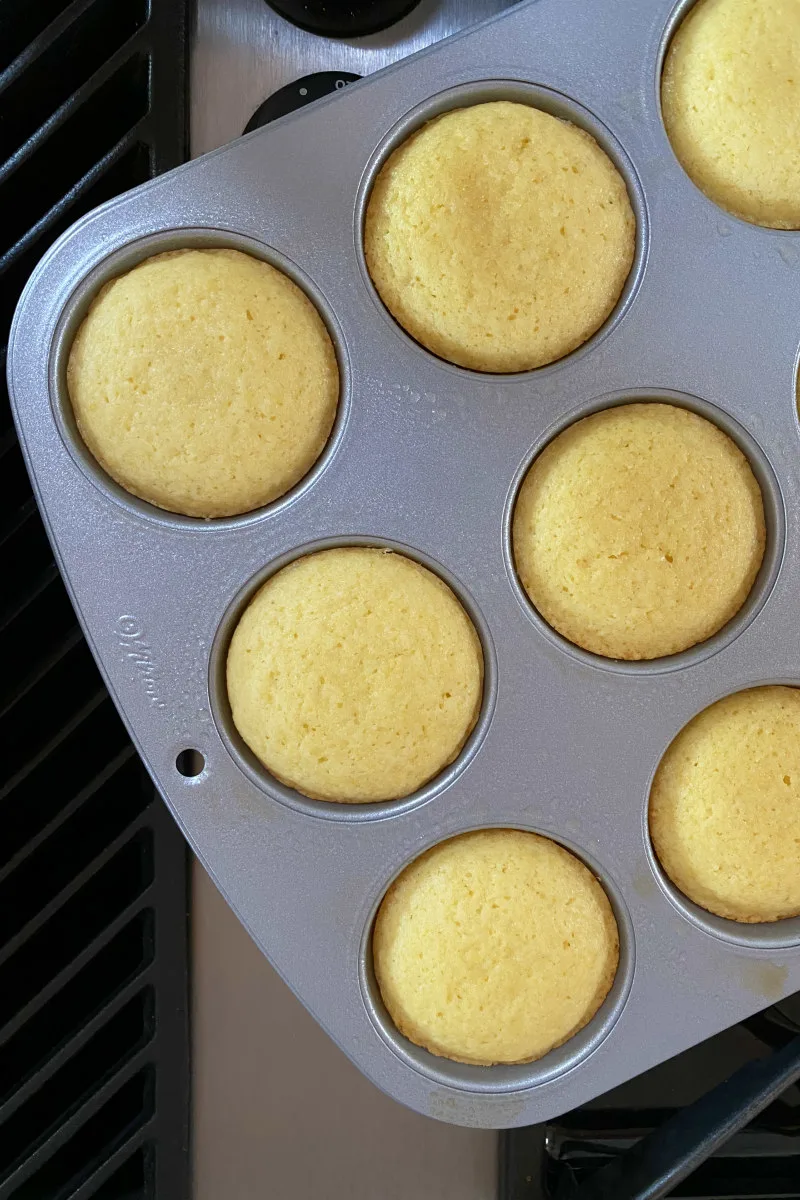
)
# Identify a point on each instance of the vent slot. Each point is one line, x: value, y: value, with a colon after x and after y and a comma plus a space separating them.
x: 133, y: 1180
x: 39, y: 183
x: 97, y: 1139
x: 74, y: 1006
x: 55, y: 687
x: 114, y: 1044
x: 26, y: 555
x: 76, y: 924
x: 106, y: 181
x: 70, y: 850
x: 76, y: 765
x: 43, y: 618
x: 21, y: 22
x: 33, y: 97
x: 13, y: 476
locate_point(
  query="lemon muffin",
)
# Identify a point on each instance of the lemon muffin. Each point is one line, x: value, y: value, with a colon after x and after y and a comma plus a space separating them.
x: 499, y: 237
x: 494, y: 947
x: 204, y: 381
x: 639, y: 531
x: 355, y: 675
x: 725, y: 806
x: 730, y: 102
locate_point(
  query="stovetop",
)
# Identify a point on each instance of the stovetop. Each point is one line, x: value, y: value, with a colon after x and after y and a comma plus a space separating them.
x: 243, y: 55
x: 763, y: 1160
x: 243, y: 52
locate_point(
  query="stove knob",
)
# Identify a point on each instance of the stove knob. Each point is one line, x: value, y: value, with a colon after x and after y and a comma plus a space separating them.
x: 296, y: 95
x: 343, y: 18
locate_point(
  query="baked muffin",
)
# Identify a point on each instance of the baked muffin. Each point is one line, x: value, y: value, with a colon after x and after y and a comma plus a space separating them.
x: 725, y: 807
x: 499, y: 237
x: 355, y: 675
x: 204, y: 381
x: 494, y: 947
x: 639, y: 531
x: 729, y: 97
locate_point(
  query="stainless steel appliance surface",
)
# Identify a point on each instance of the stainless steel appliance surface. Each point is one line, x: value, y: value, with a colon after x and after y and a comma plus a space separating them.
x: 588, y: 732
x: 244, y: 52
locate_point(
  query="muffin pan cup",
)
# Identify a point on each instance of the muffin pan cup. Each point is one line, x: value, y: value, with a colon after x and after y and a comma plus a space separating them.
x: 426, y: 456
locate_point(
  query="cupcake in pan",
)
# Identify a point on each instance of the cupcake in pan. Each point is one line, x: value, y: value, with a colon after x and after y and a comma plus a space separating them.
x: 355, y: 675
x: 725, y: 807
x: 639, y: 531
x: 499, y: 236
x: 204, y: 381
x: 730, y: 103
x: 494, y: 947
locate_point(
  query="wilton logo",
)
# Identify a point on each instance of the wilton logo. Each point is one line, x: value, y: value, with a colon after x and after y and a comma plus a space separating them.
x: 136, y: 650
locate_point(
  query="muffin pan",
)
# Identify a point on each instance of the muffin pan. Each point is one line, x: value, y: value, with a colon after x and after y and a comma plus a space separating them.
x: 427, y: 457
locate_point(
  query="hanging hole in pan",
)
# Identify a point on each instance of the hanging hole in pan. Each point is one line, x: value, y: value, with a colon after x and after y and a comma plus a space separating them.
x: 190, y: 764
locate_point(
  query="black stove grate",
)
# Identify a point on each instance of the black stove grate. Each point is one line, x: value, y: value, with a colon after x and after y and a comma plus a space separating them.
x: 93, y: 1012
x: 719, y: 1122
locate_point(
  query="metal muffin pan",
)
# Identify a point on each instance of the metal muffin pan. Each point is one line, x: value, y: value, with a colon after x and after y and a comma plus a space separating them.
x: 426, y: 457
